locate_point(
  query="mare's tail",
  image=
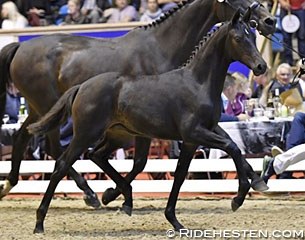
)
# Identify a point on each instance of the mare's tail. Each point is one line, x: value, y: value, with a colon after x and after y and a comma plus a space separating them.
x: 60, y: 111
x: 6, y: 56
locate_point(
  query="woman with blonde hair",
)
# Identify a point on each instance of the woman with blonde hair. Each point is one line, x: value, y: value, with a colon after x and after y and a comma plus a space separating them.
x: 12, y: 19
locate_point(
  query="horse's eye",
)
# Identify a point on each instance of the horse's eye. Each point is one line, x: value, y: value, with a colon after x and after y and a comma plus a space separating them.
x: 237, y: 39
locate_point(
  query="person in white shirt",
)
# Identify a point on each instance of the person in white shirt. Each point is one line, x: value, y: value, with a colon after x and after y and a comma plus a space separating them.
x: 12, y: 20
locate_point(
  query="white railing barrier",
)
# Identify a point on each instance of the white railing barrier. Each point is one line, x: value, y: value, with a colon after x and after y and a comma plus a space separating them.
x: 156, y: 165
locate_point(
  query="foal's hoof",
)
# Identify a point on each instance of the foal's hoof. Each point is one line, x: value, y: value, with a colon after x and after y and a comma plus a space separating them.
x: 127, y: 209
x: 92, y: 201
x: 38, y: 230
x: 109, y: 195
x: 259, y: 185
x: 234, y: 204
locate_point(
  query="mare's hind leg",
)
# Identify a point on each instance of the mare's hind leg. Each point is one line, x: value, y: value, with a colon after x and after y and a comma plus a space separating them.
x: 20, y: 141
x: 186, y: 155
x: 100, y: 156
x: 257, y: 183
x: 90, y: 197
x: 212, y: 139
x: 140, y: 159
x: 64, y: 162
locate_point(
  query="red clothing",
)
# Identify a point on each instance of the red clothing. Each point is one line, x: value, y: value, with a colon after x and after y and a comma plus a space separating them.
x: 296, y: 4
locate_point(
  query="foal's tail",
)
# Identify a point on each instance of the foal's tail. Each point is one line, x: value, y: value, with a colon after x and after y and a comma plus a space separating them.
x: 59, y: 112
x: 6, y: 56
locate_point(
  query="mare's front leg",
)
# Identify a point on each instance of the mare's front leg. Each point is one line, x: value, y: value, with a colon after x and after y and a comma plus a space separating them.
x: 257, y: 183
x: 140, y: 159
x: 185, y: 157
x: 64, y: 162
x: 90, y: 197
x: 20, y: 141
x: 211, y: 139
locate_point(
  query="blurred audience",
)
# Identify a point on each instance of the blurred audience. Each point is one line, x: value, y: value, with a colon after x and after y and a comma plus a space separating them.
x: 122, y: 12
x: 12, y: 103
x: 11, y: 19
x: 39, y: 12
x: 152, y: 12
x: 75, y: 15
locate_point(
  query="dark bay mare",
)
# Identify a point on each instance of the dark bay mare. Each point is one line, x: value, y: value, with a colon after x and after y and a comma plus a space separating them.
x: 183, y: 104
x: 44, y: 68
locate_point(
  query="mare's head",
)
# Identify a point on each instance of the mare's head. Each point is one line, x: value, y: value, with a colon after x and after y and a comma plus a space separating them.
x: 241, y: 44
x: 260, y: 16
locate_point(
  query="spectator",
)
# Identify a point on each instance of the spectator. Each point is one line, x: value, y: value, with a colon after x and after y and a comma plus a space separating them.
x: 91, y: 11
x: 39, y: 12
x: 236, y: 106
x: 123, y: 12
x: 167, y: 5
x: 282, y: 82
x: 261, y: 82
x: 295, y: 151
x: 75, y: 16
x: 152, y: 12
x: 12, y: 104
x: 12, y: 19
x: 229, y: 94
x: 298, y: 9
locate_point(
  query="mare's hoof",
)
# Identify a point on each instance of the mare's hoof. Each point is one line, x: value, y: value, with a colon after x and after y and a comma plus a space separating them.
x: 259, y: 185
x: 127, y: 209
x: 92, y: 201
x: 234, y: 205
x: 5, y: 188
x: 108, y: 196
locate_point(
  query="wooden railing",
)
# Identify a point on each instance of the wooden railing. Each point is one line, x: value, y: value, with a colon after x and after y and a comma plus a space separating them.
x: 162, y: 165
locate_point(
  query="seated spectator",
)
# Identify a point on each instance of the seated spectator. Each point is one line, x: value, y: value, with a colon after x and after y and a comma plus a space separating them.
x: 12, y: 104
x: 167, y: 5
x: 152, y: 12
x: 228, y: 94
x: 123, y: 12
x: 75, y: 16
x: 11, y: 19
x: 261, y: 82
x: 39, y: 12
x: 244, y: 92
x: 91, y: 11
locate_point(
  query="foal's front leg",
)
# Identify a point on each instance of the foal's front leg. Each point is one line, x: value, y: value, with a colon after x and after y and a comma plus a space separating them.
x: 185, y: 157
x: 257, y: 183
x: 211, y: 139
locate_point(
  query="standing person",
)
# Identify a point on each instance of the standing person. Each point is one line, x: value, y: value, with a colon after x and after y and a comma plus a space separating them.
x: 123, y: 12
x: 12, y: 19
x: 296, y: 7
x: 152, y: 12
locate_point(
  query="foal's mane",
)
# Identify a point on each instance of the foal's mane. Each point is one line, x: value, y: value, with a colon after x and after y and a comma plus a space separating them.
x: 166, y: 15
x: 201, y: 44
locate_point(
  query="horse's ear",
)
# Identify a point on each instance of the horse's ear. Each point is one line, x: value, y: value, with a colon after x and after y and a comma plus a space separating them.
x: 236, y: 17
x: 247, y: 15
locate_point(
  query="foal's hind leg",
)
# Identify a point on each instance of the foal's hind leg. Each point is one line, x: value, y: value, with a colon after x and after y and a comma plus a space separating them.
x: 100, y: 156
x: 257, y: 182
x: 186, y: 155
x: 140, y: 159
x: 20, y: 141
x: 90, y: 197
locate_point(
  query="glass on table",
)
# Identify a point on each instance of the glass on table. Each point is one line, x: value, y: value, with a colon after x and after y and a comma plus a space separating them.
x: 5, y: 118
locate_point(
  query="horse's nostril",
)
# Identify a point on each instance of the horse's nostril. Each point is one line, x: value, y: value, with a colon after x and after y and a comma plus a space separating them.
x: 270, y: 21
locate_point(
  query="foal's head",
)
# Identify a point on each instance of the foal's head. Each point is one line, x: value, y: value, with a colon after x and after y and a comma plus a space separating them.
x: 260, y: 16
x: 241, y: 45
